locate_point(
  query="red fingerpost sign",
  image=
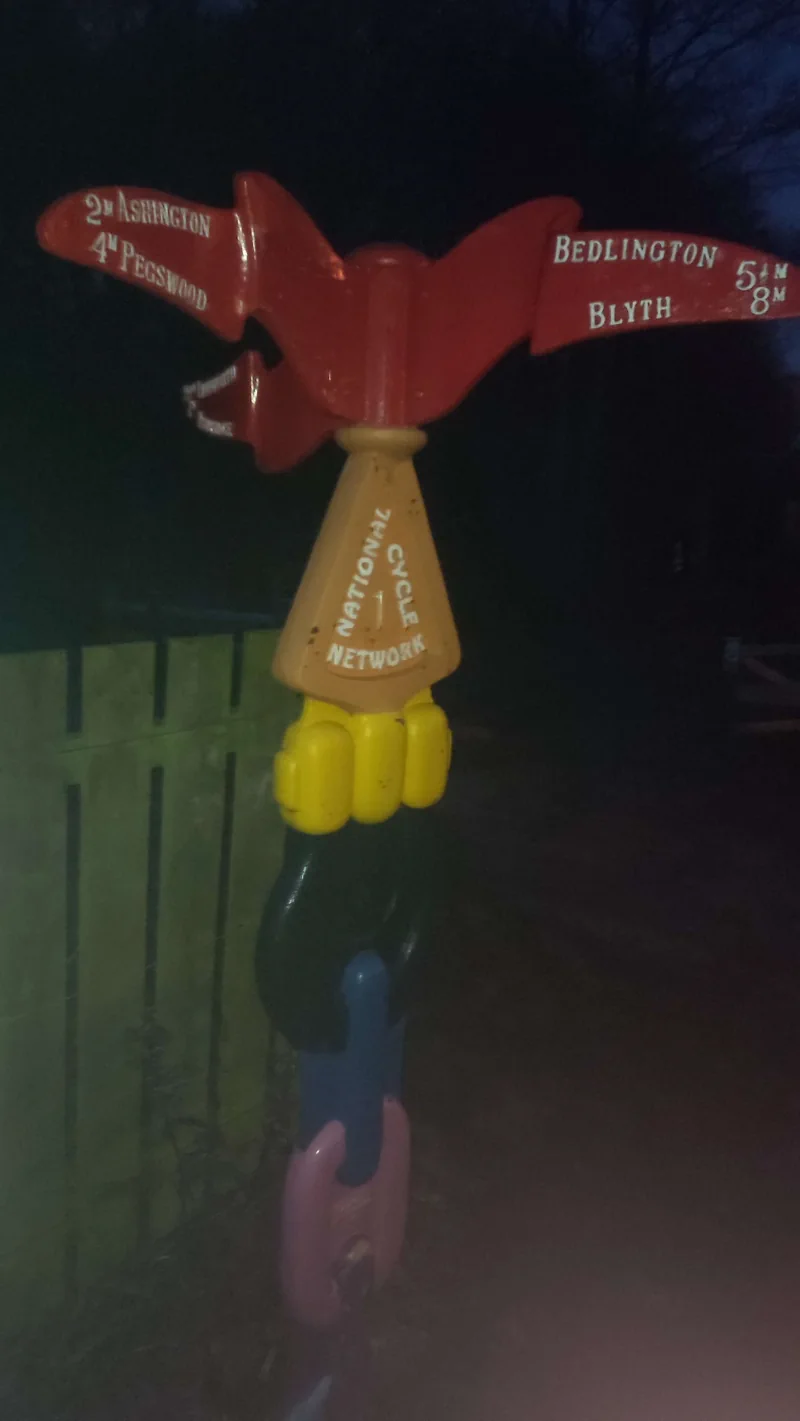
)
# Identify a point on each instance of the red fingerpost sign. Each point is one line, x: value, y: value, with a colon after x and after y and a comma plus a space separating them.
x: 183, y: 252
x: 268, y: 409
x: 388, y: 340
x: 387, y: 337
x: 263, y: 257
x: 384, y: 337
x: 604, y: 283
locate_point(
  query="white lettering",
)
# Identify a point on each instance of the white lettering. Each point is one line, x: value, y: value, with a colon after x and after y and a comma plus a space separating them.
x: 365, y: 567
x: 99, y: 246
x: 779, y: 293
x: 609, y: 314
x: 404, y: 591
x: 367, y: 660
x: 202, y: 388
x: 95, y: 207
x: 759, y: 305
x: 153, y: 212
x: 781, y: 271
x: 136, y: 264
x: 612, y: 249
x: 223, y: 428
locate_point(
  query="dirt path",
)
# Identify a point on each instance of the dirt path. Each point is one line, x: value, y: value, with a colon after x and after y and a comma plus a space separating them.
x: 605, y: 1218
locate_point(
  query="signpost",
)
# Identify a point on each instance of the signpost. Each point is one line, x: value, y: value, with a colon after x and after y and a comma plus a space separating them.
x: 385, y: 341
x: 603, y: 283
x: 374, y: 347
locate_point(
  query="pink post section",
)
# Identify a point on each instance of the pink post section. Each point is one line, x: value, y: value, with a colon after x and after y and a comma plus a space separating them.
x: 322, y: 1218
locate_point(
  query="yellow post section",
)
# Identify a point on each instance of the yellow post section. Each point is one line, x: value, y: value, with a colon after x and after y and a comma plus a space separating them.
x: 369, y: 632
x: 336, y: 766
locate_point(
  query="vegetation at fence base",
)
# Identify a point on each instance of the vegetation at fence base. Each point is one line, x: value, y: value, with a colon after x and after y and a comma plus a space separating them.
x: 208, y: 1291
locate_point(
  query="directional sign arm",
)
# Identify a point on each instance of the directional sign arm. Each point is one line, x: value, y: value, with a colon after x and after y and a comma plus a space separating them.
x: 184, y: 252
x: 604, y: 283
x: 305, y: 295
x: 476, y: 303
x: 268, y: 409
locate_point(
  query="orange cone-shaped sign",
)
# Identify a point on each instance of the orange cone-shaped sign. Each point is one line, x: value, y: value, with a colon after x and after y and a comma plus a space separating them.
x: 371, y: 623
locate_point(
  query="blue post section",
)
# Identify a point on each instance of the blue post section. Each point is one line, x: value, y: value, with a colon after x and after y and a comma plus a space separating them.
x: 321, y: 1083
x: 365, y: 987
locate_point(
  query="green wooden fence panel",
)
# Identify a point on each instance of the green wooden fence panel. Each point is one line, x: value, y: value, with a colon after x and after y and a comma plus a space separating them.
x: 198, y: 697
x: 108, y: 763
x: 33, y: 1164
x: 136, y: 849
x: 33, y: 986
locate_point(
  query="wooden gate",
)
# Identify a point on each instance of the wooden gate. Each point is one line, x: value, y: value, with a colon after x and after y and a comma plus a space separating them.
x: 138, y: 837
x: 766, y: 686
